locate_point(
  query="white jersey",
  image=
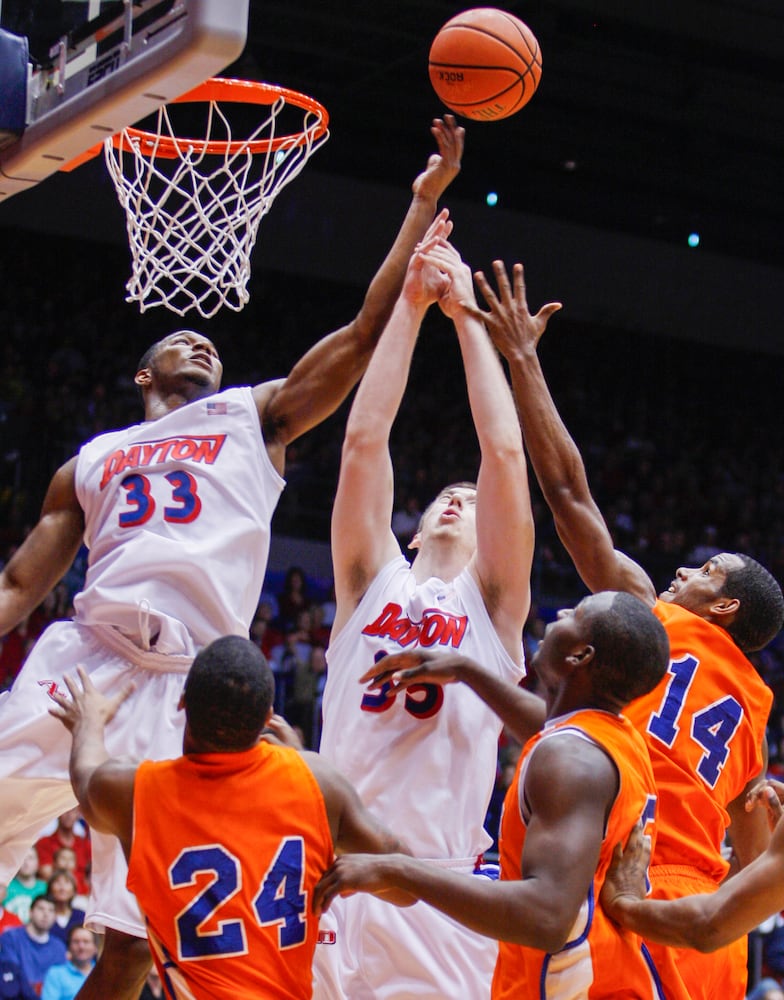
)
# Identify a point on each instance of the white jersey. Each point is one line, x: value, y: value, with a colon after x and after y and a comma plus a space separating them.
x: 424, y: 760
x: 177, y: 520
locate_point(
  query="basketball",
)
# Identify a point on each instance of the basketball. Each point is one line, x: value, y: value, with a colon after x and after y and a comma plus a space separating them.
x: 485, y: 64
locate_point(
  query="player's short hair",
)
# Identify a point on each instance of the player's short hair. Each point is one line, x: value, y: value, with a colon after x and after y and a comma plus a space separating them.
x: 228, y: 693
x: 462, y: 485
x: 147, y: 358
x: 632, y: 650
x: 760, y: 615
x: 43, y: 897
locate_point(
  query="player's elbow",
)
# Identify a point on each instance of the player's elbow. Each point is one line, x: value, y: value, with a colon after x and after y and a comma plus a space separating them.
x: 552, y: 936
x: 551, y: 932
x: 364, y: 435
x: 562, y: 496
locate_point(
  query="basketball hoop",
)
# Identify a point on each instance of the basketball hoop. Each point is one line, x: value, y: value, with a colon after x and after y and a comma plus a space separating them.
x: 193, y: 206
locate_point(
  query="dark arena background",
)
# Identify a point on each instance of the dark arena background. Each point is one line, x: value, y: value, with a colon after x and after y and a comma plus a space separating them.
x: 641, y: 187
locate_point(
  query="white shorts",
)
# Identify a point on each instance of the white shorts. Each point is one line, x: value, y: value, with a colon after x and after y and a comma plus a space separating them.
x: 35, y: 748
x: 372, y: 950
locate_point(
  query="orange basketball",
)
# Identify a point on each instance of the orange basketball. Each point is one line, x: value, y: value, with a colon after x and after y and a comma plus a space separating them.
x: 485, y: 64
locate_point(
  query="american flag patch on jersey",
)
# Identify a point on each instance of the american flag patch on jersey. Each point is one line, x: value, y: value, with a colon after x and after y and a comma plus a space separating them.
x: 216, y: 409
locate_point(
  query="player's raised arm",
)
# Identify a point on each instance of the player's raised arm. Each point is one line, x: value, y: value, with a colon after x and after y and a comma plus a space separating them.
x: 46, y: 553
x: 102, y: 785
x: 322, y: 379
x: 553, y: 454
x: 504, y: 521
x: 362, y: 538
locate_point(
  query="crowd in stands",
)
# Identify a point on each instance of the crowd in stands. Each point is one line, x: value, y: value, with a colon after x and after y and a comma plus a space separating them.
x: 45, y: 949
x: 681, y: 441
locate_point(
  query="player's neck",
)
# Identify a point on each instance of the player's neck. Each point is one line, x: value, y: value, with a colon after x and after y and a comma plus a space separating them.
x: 444, y: 562
x: 159, y: 405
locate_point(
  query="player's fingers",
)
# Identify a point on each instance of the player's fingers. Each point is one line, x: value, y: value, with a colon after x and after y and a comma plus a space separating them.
x: 391, y: 663
x: 777, y: 787
x: 125, y: 694
x: 547, y: 311
x: 402, y: 678
x: 773, y: 805
x: 476, y: 313
x: 71, y: 684
x: 504, y: 287
x: 84, y: 679
x: 518, y: 284
x: 375, y: 679
x: 484, y: 286
x: 756, y: 796
x: 59, y: 699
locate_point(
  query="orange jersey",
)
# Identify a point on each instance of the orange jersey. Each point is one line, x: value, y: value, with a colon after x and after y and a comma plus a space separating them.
x: 704, y: 724
x: 226, y: 851
x: 600, y: 959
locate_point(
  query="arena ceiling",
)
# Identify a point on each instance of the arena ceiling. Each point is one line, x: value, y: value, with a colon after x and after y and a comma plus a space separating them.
x: 657, y: 119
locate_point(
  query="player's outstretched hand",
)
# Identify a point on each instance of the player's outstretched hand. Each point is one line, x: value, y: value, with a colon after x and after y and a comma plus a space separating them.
x: 510, y: 324
x: 770, y: 795
x: 424, y: 282
x: 443, y: 166
x: 349, y: 873
x: 625, y: 877
x: 401, y: 670
x: 86, y: 705
x: 279, y: 731
x: 458, y: 293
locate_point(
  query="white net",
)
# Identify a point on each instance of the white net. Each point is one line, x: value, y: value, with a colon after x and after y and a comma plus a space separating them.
x: 193, y: 207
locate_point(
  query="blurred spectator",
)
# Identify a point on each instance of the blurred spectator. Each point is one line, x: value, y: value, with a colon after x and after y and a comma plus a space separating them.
x: 293, y: 598
x: 63, y: 982
x: 8, y: 919
x: 766, y: 989
x: 328, y: 608
x: 13, y: 985
x: 14, y: 647
x: 62, y: 891
x: 25, y: 886
x: 70, y: 832
x: 33, y: 947
x: 318, y: 661
x: 405, y: 520
x: 289, y: 660
x: 262, y: 631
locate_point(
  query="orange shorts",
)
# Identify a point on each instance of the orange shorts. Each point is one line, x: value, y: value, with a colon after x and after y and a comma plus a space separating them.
x: 721, y: 973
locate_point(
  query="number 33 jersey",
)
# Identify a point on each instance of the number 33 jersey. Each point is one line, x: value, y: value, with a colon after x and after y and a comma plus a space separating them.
x: 227, y: 848
x: 177, y: 519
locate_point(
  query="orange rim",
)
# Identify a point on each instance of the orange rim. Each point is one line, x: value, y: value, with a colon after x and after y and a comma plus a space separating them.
x: 237, y: 92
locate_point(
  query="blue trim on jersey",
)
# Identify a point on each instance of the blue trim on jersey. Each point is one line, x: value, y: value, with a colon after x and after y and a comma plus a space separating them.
x: 654, y: 971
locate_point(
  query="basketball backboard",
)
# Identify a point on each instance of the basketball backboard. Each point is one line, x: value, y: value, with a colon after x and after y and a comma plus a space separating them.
x: 97, y: 66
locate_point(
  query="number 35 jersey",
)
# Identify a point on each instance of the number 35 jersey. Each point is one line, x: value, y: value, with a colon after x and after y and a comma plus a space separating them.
x: 423, y: 760
x: 177, y: 520
x: 227, y: 848
x: 704, y: 724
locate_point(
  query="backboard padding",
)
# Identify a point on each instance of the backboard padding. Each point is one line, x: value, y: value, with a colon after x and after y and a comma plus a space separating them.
x: 109, y: 85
